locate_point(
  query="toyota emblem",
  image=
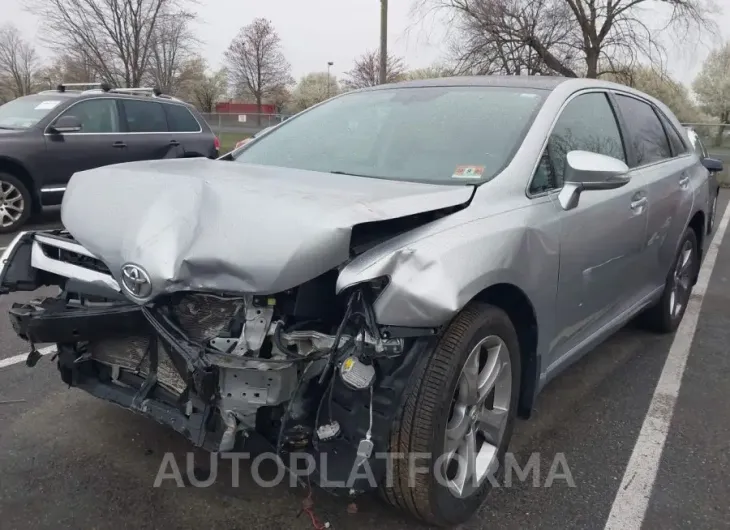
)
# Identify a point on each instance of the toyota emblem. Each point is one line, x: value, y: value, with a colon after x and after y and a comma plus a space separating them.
x: 136, y: 281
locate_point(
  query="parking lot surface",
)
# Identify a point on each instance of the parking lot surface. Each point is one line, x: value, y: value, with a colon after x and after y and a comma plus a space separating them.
x: 70, y: 461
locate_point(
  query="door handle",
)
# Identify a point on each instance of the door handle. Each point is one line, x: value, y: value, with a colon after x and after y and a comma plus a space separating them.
x: 684, y: 181
x: 174, y: 143
x: 639, y: 203
x: 119, y: 145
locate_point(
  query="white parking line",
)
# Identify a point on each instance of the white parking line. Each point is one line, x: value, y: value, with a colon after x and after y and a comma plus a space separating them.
x: 629, y: 506
x: 23, y: 356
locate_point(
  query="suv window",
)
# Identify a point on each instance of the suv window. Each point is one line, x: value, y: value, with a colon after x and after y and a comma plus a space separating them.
x: 96, y: 115
x: 587, y: 123
x: 144, y: 116
x: 180, y: 119
x: 648, y: 138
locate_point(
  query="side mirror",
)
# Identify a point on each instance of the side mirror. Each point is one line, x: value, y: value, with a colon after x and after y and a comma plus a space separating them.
x: 66, y: 124
x: 586, y: 171
x: 712, y: 164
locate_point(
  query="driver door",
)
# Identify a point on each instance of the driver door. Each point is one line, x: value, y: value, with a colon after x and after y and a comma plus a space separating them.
x: 100, y: 141
x: 602, y: 240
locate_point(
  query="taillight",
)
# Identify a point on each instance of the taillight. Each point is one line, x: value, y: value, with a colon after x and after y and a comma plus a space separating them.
x: 217, y: 143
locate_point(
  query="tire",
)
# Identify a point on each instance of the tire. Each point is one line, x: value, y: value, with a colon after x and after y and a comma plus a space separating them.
x: 664, y: 316
x: 420, y: 426
x: 15, y: 203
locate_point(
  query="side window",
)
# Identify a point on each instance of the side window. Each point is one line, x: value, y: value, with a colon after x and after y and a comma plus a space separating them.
x: 144, y: 116
x: 181, y: 119
x: 587, y: 123
x: 699, y: 149
x: 675, y: 141
x: 647, y: 135
x: 96, y: 115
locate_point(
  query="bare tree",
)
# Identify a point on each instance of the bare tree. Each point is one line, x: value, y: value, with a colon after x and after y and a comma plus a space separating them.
x: 572, y: 38
x: 18, y: 63
x: 116, y: 37
x: 67, y: 68
x: 201, y: 87
x: 256, y: 65
x: 172, y: 45
x: 366, y: 71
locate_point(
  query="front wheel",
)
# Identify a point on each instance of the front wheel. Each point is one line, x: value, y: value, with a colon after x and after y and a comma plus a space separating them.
x: 459, y: 412
x: 15, y: 203
x: 665, y: 316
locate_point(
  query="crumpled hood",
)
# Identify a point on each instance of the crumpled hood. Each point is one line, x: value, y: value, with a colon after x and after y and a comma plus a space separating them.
x: 200, y: 224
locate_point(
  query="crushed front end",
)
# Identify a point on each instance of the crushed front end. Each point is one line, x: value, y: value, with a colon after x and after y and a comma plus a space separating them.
x: 309, y: 370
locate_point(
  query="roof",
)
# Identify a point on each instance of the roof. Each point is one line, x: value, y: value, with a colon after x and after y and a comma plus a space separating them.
x: 516, y: 81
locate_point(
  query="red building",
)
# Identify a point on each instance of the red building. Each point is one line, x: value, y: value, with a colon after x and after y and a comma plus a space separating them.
x: 233, y: 107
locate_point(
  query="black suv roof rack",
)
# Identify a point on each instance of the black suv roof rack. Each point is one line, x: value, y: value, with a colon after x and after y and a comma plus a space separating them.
x: 92, y: 88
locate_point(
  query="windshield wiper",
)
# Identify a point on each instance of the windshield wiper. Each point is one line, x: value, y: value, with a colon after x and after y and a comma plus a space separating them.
x: 351, y: 174
x: 9, y: 128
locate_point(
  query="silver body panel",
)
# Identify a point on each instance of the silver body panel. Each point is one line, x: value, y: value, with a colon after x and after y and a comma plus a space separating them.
x: 237, y: 228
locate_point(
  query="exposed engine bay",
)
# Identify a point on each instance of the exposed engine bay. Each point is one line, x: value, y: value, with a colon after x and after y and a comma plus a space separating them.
x: 307, y: 369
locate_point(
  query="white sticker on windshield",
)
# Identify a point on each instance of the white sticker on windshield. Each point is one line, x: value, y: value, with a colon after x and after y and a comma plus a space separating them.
x: 468, y: 172
x: 46, y: 105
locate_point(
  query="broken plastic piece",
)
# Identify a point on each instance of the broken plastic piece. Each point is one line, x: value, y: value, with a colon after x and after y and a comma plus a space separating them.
x: 328, y: 431
x: 33, y: 357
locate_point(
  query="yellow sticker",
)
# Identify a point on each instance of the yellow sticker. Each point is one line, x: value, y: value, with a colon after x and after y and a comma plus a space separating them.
x: 349, y: 362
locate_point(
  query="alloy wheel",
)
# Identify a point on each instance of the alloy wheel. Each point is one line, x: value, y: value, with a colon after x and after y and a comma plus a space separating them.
x: 478, y: 417
x: 682, y: 279
x: 12, y: 204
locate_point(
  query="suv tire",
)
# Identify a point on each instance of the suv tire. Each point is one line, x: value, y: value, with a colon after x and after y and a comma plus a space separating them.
x: 667, y: 313
x: 434, y: 403
x: 15, y: 203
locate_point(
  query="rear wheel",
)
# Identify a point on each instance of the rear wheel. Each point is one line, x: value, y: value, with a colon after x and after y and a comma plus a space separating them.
x: 665, y: 316
x: 460, y: 412
x: 15, y: 203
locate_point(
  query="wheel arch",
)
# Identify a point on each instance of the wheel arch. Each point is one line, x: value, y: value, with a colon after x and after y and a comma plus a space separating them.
x: 698, y: 226
x: 18, y: 170
x: 513, y: 301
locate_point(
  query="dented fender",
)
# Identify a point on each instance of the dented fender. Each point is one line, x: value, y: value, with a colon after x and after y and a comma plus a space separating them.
x: 435, y: 270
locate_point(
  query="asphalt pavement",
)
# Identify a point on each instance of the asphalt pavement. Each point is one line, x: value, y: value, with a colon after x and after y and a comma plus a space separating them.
x: 70, y: 461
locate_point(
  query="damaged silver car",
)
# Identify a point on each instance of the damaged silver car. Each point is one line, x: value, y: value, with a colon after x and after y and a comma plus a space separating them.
x: 397, y: 270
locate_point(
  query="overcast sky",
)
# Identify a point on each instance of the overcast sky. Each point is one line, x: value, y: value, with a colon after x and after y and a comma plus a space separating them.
x: 314, y: 32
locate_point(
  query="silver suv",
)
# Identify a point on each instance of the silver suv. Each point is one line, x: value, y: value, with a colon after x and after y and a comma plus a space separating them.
x: 399, y: 271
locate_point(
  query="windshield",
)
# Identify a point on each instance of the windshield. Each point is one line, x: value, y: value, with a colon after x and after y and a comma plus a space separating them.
x: 25, y: 112
x: 430, y: 134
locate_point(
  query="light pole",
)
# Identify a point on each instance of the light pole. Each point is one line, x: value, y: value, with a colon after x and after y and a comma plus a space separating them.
x: 383, y: 41
x: 329, y: 65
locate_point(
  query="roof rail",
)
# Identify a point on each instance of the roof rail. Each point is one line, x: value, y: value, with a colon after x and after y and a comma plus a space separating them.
x: 99, y: 86
x: 140, y: 90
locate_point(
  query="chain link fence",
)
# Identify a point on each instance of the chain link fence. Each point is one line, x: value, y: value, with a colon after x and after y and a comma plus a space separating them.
x: 231, y: 128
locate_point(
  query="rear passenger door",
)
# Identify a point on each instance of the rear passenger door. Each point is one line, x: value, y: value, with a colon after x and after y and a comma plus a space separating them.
x: 148, y: 136
x: 660, y: 158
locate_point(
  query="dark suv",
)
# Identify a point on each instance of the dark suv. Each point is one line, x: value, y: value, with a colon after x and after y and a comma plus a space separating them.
x: 47, y: 137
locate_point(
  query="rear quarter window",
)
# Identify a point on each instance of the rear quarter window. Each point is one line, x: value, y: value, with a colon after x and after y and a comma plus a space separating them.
x: 180, y: 119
